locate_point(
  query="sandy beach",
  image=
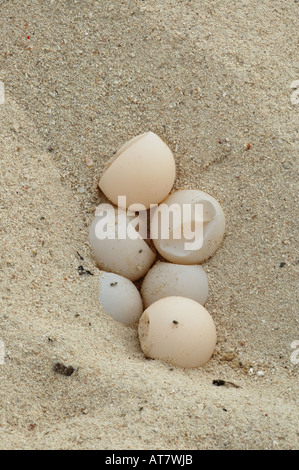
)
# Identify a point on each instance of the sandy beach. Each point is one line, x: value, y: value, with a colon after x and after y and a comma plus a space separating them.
x: 215, y: 80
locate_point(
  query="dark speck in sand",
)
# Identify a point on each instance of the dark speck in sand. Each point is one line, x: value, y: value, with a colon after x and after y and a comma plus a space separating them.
x: 82, y: 271
x: 224, y: 383
x: 219, y: 383
x: 60, y: 368
x: 81, y: 257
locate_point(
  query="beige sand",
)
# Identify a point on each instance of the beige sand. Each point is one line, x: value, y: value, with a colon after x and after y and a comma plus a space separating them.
x: 213, y: 79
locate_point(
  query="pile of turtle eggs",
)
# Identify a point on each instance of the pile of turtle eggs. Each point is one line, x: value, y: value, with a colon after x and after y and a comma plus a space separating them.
x: 173, y: 325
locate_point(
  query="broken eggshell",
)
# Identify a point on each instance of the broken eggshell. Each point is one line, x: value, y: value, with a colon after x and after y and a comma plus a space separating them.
x: 120, y: 298
x: 213, y: 223
x: 128, y: 257
x: 167, y: 279
x: 177, y: 330
x: 143, y: 170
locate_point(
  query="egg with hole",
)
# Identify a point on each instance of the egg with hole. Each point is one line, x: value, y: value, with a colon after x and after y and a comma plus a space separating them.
x: 177, y: 330
x: 117, y: 246
x: 167, y: 279
x: 188, y: 227
x: 143, y: 170
x: 120, y: 298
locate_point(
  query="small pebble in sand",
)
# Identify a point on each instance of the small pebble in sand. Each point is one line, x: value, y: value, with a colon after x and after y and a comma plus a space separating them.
x: 88, y: 161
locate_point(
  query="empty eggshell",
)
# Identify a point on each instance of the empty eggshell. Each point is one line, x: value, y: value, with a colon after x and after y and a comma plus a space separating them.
x: 177, y: 330
x: 143, y: 170
x: 127, y: 257
x: 120, y: 298
x: 213, y: 224
x: 167, y: 279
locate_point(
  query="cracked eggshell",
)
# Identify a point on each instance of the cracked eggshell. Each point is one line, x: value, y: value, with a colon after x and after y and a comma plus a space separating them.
x: 127, y: 257
x: 143, y: 170
x: 179, y: 331
x: 173, y: 250
x: 120, y: 298
x: 167, y: 279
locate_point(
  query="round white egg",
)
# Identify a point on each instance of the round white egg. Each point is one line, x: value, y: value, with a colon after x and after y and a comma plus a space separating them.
x: 143, y: 170
x: 167, y: 279
x: 120, y: 298
x: 180, y: 249
x: 179, y: 331
x: 127, y: 257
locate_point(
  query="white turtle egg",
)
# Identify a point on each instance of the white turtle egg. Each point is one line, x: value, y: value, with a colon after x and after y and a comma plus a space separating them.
x: 177, y: 330
x: 129, y: 256
x: 183, y: 205
x: 167, y: 279
x: 143, y: 170
x: 120, y: 298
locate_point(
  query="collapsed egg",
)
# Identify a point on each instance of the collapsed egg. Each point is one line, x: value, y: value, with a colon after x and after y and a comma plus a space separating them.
x: 177, y: 330
x: 143, y: 170
x: 167, y: 279
x: 120, y: 298
x: 206, y: 227
x: 129, y: 256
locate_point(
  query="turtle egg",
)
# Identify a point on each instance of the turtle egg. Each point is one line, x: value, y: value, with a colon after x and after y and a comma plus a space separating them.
x: 120, y: 298
x: 177, y: 330
x: 126, y: 255
x: 185, y: 208
x: 143, y: 170
x: 167, y: 279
